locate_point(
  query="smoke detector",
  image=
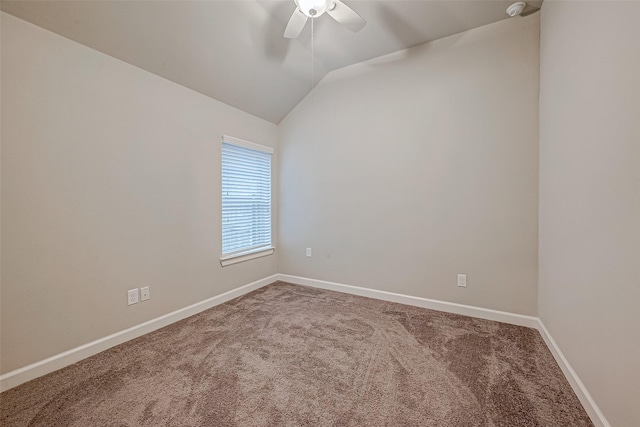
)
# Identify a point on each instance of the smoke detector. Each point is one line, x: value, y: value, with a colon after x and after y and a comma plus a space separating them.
x: 516, y: 8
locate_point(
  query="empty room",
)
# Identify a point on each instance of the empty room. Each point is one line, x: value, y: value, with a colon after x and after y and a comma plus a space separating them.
x: 320, y: 213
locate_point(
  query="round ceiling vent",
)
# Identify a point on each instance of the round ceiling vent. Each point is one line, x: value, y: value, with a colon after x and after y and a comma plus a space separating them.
x: 516, y: 8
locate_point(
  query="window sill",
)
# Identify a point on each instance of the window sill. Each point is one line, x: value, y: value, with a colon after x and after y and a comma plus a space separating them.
x: 246, y: 256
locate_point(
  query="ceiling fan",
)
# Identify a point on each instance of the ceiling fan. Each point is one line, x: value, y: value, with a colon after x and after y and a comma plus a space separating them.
x: 306, y: 9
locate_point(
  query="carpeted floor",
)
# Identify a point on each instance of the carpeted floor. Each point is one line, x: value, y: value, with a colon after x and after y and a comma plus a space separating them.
x: 287, y: 355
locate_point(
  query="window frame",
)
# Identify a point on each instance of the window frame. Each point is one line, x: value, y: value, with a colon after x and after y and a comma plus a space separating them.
x: 248, y: 253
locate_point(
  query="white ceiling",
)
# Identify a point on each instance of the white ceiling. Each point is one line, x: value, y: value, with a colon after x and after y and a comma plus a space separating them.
x: 233, y: 50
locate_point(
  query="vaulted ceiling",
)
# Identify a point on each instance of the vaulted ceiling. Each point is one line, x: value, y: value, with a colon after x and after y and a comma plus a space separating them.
x: 233, y: 50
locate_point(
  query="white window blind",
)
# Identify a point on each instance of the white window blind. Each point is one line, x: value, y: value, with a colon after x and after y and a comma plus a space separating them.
x: 246, y: 197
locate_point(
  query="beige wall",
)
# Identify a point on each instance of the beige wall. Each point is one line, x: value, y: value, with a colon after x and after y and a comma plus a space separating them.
x: 404, y: 171
x: 590, y: 196
x: 399, y: 172
x: 110, y: 181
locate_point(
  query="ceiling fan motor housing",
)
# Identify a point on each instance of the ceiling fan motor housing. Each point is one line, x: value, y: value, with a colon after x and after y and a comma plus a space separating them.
x: 314, y: 8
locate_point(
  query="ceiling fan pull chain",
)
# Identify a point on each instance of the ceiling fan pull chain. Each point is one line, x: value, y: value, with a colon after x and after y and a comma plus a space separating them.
x: 313, y: 56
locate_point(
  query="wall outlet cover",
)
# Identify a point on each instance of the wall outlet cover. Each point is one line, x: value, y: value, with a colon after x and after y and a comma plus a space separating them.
x: 462, y: 280
x: 145, y: 293
x: 132, y: 296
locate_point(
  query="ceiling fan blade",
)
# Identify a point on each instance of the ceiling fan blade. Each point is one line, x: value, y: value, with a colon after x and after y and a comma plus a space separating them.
x: 346, y: 16
x: 295, y: 25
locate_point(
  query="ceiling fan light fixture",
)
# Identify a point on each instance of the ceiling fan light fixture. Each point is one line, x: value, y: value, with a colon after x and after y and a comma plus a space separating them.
x: 313, y: 8
x: 306, y: 9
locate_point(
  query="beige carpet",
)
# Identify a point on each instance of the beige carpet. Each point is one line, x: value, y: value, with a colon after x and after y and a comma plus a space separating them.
x: 287, y: 355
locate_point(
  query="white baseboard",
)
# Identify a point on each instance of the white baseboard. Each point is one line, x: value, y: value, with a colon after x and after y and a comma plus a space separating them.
x: 596, y: 415
x: 53, y: 363
x: 69, y: 357
x: 449, y: 307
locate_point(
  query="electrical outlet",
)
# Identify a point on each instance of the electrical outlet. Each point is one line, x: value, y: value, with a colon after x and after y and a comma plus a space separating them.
x: 132, y: 296
x: 309, y: 252
x: 462, y: 280
x: 145, y: 294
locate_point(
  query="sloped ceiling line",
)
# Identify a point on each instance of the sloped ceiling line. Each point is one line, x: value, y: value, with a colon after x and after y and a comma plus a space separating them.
x: 234, y: 51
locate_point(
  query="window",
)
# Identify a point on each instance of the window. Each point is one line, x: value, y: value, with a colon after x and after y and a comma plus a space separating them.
x: 246, y: 200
